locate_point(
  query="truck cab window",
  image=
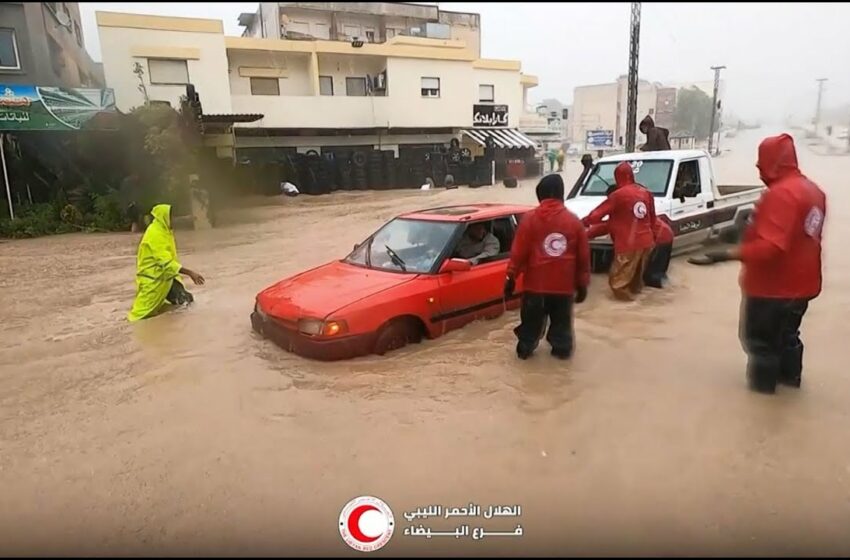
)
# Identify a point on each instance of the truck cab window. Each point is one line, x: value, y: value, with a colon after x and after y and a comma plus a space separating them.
x: 687, y: 179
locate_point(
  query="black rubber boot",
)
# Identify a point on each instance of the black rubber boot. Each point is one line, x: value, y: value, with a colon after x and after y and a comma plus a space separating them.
x: 791, y: 371
x: 762, y: 375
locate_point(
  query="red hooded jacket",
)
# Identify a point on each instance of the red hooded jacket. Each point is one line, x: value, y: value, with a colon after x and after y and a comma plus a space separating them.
x: 781, y: 249
x: 663, y: 232
x: 631, y: 213
x: 551, y: 250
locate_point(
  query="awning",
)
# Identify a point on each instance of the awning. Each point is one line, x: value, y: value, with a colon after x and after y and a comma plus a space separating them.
x: 502, y: 137
x: 230, y: 118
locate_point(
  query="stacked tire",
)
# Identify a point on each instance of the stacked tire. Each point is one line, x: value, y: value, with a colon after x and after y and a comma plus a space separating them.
x: 389, y: 167
x: 360, y: 179
x: 374, y: 170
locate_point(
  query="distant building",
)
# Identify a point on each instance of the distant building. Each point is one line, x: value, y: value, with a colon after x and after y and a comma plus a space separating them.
x: 370, y: 22
x: 41, y: 43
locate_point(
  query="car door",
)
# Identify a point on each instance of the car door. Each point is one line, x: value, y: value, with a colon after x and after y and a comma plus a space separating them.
x: 478, y: 292
x: 689, y: 215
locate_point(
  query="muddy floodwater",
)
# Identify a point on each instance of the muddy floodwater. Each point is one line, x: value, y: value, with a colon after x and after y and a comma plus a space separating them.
x: 187, y: 434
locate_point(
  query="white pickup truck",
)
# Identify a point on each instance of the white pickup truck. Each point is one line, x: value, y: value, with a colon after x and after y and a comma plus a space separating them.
x: 686, y: 196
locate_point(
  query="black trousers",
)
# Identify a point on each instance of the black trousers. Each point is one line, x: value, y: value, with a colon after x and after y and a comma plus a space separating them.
x: 656, y: 268
x: 536, y: 308
x: 178, y: 295
x: 770, y: 334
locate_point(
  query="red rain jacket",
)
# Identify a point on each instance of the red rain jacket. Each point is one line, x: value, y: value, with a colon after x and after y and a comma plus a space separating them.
x: 781, y: 249
x: 631, y: 213
x: 551, y: 250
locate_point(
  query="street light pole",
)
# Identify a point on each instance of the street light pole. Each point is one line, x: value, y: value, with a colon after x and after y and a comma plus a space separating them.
x: 631, y: 103
x: 717, y: 70
x: 820, y: 82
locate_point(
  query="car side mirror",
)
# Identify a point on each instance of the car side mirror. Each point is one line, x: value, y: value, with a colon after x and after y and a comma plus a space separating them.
x: 455, y: 265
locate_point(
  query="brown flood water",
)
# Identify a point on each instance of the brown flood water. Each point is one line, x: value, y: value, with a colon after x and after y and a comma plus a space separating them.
x: 187, y: 434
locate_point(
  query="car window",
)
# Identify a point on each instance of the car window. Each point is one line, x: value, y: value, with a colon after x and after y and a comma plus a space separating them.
x: 502, y: 229
x: 652, y: 174
x: 404, y: 245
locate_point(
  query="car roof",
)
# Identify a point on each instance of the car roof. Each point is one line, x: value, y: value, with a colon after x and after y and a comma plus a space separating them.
x: 663, y: 154
x: 466, y: 212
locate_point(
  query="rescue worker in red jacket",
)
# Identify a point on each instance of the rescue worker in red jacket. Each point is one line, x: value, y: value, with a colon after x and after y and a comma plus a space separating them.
x: 552, y: 254
x: 781, y: 266
x: 630, y: 209
x: 659, y: 260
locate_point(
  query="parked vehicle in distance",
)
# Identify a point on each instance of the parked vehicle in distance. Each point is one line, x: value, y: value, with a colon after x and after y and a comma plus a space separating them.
x: 399, y: 285
x: 686, y: 195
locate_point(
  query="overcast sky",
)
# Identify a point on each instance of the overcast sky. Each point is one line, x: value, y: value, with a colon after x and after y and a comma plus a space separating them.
x: 773, y: 52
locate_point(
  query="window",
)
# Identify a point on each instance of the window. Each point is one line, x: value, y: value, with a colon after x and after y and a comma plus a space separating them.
x: 355, y: 87
x: 168, y: 72
x: 415, y: 246
x: 300, y: 27
x: 351, y: 30
x: 687, y: 179
x: 486, y: 93
x: 326, y: 85
x: 652, y: 174
x: 9, y: 50
x: 430, y: 87
x: 265, y: 86
x: 370, y: 35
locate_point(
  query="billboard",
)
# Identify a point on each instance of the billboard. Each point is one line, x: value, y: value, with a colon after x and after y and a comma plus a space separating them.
x: 24, y: 107
x: 599, y: 139
x: 489, y: 115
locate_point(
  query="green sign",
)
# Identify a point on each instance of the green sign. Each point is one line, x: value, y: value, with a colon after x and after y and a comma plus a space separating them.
x: 53, y: 108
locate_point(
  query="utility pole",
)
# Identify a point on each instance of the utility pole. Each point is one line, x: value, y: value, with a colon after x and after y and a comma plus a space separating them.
x: 631, y: 103
x: 820, y: 82
x: 717, y: 70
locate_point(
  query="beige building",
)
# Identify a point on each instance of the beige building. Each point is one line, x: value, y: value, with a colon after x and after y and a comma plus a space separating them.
x: 309, y: 93
x: 602, y: 107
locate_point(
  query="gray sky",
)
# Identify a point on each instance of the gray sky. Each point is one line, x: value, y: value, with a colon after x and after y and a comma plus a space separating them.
x: 773, y: 52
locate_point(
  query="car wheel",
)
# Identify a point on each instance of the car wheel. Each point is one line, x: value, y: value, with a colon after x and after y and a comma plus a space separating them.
x: 397, y: 334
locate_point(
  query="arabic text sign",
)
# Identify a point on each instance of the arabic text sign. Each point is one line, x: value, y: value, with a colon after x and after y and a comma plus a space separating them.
x: 52, y: 108
x: 489, y: 115
x: 599, y: 139
x: 464, y: 530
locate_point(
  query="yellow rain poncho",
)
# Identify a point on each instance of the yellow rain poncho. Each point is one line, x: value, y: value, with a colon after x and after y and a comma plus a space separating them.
x: 156, y: 265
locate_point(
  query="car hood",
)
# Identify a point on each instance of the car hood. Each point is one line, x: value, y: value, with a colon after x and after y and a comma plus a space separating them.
x: 319, y: 292
x: 583, y: 205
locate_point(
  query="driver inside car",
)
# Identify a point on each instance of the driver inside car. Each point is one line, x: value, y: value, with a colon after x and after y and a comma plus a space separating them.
x: 477, y: 244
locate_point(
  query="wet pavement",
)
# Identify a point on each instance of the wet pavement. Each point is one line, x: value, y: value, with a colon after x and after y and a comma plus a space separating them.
x: 187, y: 434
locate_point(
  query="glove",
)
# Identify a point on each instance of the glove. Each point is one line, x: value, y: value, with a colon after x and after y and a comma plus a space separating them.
x: 510, y: 285
x: 581, y: 294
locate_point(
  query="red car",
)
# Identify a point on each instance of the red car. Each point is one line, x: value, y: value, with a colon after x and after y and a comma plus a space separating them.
x: 401, y: 284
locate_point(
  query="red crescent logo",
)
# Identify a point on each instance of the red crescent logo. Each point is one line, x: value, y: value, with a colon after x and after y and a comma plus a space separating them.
x: 354, y: 524
x: 379, y: 520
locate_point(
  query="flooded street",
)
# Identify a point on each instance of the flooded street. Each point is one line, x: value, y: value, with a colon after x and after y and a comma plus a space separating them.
x: 188, y: 434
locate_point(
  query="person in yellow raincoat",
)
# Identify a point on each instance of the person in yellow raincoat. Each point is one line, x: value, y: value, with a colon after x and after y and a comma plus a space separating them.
x: 158, y: 270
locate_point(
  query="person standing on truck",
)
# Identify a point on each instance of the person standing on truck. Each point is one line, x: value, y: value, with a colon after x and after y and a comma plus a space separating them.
x: 657, y: 138
x: 551, y: 251
x: 781, y: 266
x: 630, y: 209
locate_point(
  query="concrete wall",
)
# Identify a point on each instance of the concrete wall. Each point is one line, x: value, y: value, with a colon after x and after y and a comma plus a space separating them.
x: 65, y: 63
x: 594, y: 107
x: 292, y: 67
x: 123, y: 45
x: 340, y: 67
x: 507, y: 91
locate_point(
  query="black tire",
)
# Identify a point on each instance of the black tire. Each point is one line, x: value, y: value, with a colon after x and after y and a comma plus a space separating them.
x: 311, y: 153
x: 397, y: 334
x: 359, y: 159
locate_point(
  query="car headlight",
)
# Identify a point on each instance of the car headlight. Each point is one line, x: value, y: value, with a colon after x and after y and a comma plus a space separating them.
x: 310, y: 326
x: 334, y: 328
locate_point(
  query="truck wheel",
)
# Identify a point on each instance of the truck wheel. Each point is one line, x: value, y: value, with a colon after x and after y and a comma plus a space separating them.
x: 397, y: 334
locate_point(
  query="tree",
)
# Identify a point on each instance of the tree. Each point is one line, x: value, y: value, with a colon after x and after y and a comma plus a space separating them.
x: 693, y: 112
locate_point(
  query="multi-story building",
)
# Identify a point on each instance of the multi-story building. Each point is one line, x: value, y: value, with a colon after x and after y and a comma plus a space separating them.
x: 372, y: 22
x: 601, y: 108
x: 303, y: 91
x: 41, y: 43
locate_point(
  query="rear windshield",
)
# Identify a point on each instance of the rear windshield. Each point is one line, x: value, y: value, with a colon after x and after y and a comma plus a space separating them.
x: 652, y: 174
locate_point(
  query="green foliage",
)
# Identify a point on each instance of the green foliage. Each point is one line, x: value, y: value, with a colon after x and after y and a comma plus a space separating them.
x: 95, y: 176
x: 693, y: 112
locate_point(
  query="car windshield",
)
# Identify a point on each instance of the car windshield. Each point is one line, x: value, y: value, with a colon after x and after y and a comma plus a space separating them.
x: 404, y: 245
x: 652, y: 174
